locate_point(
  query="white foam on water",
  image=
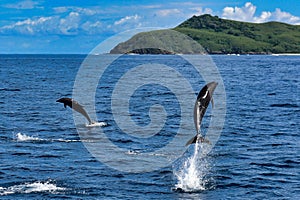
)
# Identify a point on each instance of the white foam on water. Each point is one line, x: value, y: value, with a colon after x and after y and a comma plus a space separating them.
x: 192, y: 175
x: 31, y: 188
x: 19, y: 137
x: 65, y: 140
x: 23, y: 137
x: 96, y: 124
x: 131, y: 152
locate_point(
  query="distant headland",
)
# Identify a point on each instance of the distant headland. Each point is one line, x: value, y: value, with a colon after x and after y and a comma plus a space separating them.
x: 222, y: 36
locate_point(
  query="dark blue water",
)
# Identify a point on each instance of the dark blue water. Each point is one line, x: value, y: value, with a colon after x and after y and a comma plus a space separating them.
x: 42, y: 156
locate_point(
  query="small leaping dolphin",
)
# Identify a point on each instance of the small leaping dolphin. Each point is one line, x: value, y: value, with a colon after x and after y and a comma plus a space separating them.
x: 76, y: 106
x: 201, y: 104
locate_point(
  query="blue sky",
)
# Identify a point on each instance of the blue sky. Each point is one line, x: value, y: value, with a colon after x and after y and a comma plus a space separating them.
x: 65, y: 26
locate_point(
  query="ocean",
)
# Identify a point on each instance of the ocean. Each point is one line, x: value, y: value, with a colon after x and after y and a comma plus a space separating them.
x: 47, y: 152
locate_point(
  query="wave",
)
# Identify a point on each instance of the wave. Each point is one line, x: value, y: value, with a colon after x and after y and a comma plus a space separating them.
x: 26, y: 188
x: 10, y: 89
x: 285, y: 105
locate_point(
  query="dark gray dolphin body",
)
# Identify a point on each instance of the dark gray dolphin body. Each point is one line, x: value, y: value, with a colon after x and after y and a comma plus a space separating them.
x: 201, y: 104
x: 76, y: 106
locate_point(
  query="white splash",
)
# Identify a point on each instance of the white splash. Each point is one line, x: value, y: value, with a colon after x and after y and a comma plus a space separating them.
x: 31, y: 187
x: 131, y: 152
x: 192, y: 175
x: 23, y: 137
x: 96, y: 124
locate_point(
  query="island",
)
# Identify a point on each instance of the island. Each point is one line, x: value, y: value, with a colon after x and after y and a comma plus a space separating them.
x: 219, y: 36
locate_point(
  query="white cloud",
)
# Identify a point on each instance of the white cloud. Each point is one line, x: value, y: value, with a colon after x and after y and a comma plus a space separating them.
x: 69, y: 25
x: 27, y: 4
x: 265, y: 16
x: 45, y: 25
x: 92, y: 27
x: 247, y: 13
x: 153, y: 6
x: 127, y: 19
x: 175, y: 14
x: 84, y: 11
x: 88, y: 12
x: 200, y: 11
x: 30, y: 26
x: 61, y: 9
x: 279, y: 15
x: 167, y: 12
x: 95, y: 20
x: 85, y: 21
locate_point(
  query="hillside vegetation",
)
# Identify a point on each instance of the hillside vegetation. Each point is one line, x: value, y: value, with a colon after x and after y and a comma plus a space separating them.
x: 159, y: 42
x: 221, y: 36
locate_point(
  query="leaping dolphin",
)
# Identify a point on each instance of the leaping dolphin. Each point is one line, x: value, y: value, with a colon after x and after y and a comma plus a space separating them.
x: 76, y: 106
x: 201, y: 104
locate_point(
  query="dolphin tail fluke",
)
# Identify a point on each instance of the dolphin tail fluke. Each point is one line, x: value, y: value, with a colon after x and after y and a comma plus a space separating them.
x: 197, y: 138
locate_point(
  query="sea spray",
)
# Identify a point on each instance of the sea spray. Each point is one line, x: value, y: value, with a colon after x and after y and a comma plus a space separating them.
x: 23, y: 137
x: 34, y: 187
x: 192, y: 174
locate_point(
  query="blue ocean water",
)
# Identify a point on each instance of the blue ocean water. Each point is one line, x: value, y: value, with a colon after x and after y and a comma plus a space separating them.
x: 42, y: 156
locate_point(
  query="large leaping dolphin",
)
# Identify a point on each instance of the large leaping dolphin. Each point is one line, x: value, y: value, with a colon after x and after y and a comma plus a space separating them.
x: 201, y: 104
x: 76, y: 106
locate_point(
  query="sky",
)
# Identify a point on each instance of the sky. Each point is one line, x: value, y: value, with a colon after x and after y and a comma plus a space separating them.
x: 78, y: 26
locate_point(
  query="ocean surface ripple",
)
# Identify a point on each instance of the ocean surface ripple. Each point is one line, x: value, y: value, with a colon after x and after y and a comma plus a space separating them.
x: 256, y: 157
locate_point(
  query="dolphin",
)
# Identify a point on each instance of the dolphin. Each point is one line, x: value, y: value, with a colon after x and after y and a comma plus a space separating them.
x: 201, y: 104
x: 76, y: 106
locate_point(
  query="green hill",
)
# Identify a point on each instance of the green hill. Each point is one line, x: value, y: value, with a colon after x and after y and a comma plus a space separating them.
x: 221, y: 36
x: 159, y: 42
